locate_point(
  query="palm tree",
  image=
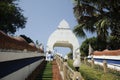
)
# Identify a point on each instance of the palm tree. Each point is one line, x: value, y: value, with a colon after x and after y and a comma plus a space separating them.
x: 97, y: 16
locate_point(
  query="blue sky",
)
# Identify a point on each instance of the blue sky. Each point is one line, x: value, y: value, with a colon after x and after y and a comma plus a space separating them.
x: 44, y: 16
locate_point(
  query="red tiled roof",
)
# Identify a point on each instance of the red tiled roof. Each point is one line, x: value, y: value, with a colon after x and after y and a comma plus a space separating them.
x: 15, y: 43
x: 107, y: 52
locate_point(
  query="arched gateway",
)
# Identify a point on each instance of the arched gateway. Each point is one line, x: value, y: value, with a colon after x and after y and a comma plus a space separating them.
x: 63, y: 37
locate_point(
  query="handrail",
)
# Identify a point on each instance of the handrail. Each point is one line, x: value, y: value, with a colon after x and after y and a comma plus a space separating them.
x: 68, y: 73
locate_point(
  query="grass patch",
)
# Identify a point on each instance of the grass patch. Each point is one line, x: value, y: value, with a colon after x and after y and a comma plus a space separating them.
x: 90, y: 73
x: 46, y: 74
x: 70, y: 63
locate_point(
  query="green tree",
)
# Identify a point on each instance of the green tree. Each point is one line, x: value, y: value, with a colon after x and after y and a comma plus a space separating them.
x: 11, y: 16
x: 93, y: 42
x: 37, y: 42
x: 113, y: 43
x: 29, y: 40
x: 70, y: 55
x: 98, y: 16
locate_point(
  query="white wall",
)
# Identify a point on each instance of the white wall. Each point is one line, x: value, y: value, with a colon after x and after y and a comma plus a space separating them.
x: 107, y: 57
x: 7, y: 56
x: 22, y: 73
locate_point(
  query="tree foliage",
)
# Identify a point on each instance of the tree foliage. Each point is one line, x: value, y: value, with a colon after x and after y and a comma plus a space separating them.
x: 29, y: 40
x: 94, y: 44
x: 100, y: 16
x: 85, y: 46
x: 70, y: 55
x: 11, y: 17
x: 113, y: 43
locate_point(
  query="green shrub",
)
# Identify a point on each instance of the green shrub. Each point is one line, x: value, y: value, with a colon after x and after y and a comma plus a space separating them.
x: 90, y: 73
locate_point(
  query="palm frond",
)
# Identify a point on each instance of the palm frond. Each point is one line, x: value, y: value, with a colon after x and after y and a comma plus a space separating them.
x: 78, y: 30
x: 102, y: 28
x: 89, y: 26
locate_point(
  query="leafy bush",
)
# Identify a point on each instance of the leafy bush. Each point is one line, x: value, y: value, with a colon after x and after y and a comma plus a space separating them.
x: 90, y: 73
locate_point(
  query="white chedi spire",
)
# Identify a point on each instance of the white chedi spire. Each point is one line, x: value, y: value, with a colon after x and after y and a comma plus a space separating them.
x: 63, y: 25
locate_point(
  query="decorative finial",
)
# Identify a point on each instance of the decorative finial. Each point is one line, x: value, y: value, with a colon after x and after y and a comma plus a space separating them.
x: 63, y: 24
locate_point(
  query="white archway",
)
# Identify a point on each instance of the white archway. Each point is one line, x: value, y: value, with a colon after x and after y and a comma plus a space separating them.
x: 63, y: 37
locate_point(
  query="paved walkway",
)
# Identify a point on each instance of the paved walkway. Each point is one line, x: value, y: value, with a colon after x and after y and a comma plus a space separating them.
x: 56, y: 72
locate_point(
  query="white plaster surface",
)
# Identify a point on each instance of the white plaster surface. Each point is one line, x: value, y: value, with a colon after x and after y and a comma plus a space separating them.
x: 22, y: 73
x: 108, y: 57
x: 7, y: 56
x: 63, y: 37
